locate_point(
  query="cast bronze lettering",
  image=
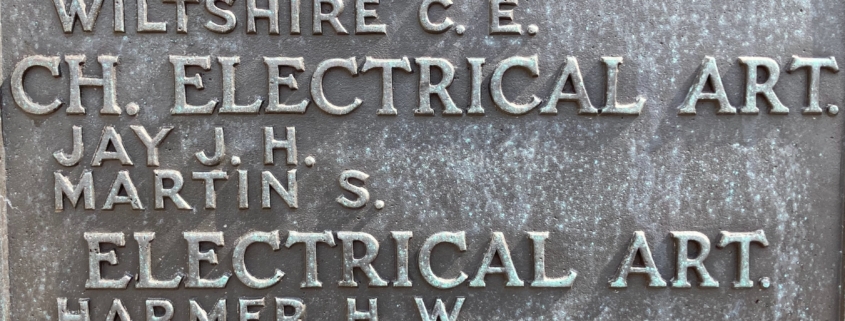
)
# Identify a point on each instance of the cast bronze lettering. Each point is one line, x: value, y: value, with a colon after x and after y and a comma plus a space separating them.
x: 421, y: 160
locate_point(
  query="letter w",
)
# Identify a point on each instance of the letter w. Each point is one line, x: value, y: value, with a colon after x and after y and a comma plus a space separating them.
x: 439, y: 312
x: 77, y: 9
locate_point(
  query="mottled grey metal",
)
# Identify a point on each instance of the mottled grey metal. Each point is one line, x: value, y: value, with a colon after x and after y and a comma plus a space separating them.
x: 590, y: 180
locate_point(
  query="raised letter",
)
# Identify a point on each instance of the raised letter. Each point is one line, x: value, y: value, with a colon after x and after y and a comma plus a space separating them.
x: 682, y: 240
x: 387, y: 66
x: 402, y: 253
x: 611, y: 105
x: 243, y: 189
x: 500, y: 247
x: 95, y: 279
x: 458, y: 239
x: 231, y: 20
x: 271, y: 144
x: 219, y: 150
x: 81, y: 315
x: 708, y: 72
x: 239, y: 258
x: 218, y: 313
x: 151, y: 143
x: 439, y: 312
x: 111, y: 137
x: 540, y: 278
x: 498, y: 94
x: 572, y: 72
x: 275, y: 104
x: 123, y: 182
x: 294, y: 17
x: 76, y: 152
x: 146, y: 279
x: 297, y: 306
x: 331, y: 17
x: 354, y: 314
x: 497, y: 15
x: 163, y: 304
x: 243, y: 309
x: 319, y: 95
x: 195, y: 256
x: 814, y: 67
x: 118, y: 311
x: 63, y: 187
x: 119, y: 20
x: 173, y: 192
x: 310, y: 240
x: 639, y: 246
x: 426, y: 23
x: 475, y: 66
x: 209, y: 178
x: 108, y: 83
x: 361, y: 16
x: 181, y: 106
x: 229, y: 105
x: 441, y: 89
x: 271, y: 13
x: 289, y: 195
x: 364, y: 263
x: 144, y: 25
x: 77, y: 10
x: 743, y: 241
x: 361, y: 192
x: 753, y: 88
x: 22, y: 99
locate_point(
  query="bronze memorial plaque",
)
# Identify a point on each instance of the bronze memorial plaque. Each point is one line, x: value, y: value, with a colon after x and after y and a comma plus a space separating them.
x: 421, y: 160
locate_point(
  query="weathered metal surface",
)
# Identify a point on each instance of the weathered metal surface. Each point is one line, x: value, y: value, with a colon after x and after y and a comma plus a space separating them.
x: 575, y: 210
